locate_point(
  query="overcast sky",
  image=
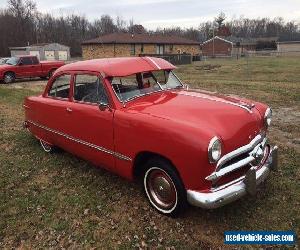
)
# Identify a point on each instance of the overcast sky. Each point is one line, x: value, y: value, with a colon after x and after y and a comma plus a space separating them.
x: 167, y: 13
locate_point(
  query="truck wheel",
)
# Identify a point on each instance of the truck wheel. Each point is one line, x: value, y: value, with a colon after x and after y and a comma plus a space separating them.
x: 164, y: 188
x: 9, y: 78
x: 51, y: 72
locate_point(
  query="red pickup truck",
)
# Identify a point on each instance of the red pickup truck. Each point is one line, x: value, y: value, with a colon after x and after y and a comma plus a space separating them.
x: 27, y: 67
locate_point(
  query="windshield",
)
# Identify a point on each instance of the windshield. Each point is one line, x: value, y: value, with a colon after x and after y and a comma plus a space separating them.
x: 167, y: 79
x: 130, y: 87
x: 12, y: 61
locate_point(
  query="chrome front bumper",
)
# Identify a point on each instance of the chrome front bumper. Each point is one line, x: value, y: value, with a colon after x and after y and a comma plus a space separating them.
x: 235, y: 189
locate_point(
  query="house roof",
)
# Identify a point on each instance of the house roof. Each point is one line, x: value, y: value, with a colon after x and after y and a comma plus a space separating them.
x: 251, y: 40
x: 128, y: 38
x: 289, y: 42
x: 18, y: 48
x: 217, y: 37
x: 34, y: 45
x: 122, y: 66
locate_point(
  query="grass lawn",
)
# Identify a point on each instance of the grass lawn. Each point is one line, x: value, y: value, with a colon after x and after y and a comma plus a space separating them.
x: 59, y: 200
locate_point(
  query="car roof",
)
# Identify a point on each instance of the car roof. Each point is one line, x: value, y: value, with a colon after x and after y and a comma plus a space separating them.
x: 122, y: 66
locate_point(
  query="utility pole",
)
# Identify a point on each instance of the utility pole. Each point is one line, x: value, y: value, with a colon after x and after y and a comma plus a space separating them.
x: 213, y: 42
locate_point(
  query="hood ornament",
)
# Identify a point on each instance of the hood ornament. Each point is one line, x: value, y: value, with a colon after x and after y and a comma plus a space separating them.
x: 248, y: 106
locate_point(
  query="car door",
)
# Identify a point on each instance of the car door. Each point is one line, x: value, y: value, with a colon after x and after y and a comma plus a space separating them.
x: 52, y: 112
x: 25, y: 67
x: 36, y: 68
x: 91, y: 127
x: 29, y: 67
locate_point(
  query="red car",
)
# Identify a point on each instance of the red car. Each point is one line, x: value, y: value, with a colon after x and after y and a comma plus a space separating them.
x: 134, y: 117
x: 27, y: 67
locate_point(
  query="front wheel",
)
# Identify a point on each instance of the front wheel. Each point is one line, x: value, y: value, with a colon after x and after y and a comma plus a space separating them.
x: 9, y: 78
x: 164, y: 188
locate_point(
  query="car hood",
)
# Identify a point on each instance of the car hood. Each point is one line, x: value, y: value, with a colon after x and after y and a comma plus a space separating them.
x: 4, y: 67
x: 236, y: 121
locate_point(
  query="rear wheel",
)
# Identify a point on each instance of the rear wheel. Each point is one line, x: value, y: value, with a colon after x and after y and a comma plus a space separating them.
x: 164, y: 188
x: 9, y: 78
x: 46, y: 146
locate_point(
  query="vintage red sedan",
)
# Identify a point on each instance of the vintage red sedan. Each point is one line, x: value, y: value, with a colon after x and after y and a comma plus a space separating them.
x: 134, y: 117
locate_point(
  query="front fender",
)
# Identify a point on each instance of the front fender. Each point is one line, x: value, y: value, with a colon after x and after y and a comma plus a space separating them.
x: 185, y: 146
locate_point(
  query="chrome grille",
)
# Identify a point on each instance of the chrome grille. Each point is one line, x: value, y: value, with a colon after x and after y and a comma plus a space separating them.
x: 239, y: 158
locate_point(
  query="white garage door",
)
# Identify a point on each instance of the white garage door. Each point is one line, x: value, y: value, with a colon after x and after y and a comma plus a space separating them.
x: 49, y: 55
x: 62, y: 55
x: 35, y: 53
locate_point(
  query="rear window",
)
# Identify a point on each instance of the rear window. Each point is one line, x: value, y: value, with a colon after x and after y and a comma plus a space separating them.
x: 35, y: 60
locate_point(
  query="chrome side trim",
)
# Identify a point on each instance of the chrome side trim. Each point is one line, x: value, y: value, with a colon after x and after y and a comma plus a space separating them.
x: 71, y: 138
x: 223, y: 101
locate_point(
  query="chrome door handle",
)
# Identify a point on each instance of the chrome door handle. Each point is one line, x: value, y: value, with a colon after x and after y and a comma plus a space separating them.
x: 69, y: 110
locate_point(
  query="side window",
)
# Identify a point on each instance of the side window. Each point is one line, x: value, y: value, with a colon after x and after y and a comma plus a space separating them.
x: 60, y: 87
x: 26, y: 61
x: 35, y: 60
x: 89, y: 88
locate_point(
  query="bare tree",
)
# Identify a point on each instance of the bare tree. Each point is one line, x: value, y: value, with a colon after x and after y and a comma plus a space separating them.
x: 21, y: 23
x: 220, y: 19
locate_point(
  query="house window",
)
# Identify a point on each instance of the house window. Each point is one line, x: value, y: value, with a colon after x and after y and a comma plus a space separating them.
x: 160, y: 49
x: 142, y: 48
x: 132, y: 50
x: 171, y: 48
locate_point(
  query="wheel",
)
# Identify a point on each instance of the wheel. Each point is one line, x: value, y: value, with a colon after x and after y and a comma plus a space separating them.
x: 9, y: 78
x: 51, y: 72
x: 164, y: 188
x: 46, y: 146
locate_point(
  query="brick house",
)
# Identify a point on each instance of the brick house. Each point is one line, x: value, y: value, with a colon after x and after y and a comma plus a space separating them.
x: 127, y: 44
x: 217, y: 46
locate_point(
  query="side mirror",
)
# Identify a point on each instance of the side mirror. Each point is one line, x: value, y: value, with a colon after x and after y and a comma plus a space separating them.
x: 103, y: 106
x: 20, y: 64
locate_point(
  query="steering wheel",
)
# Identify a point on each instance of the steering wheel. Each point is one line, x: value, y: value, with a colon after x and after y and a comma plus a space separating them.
x: 84, y: 99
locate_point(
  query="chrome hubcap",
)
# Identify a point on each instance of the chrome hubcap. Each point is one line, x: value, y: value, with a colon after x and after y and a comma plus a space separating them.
x: 161, y: 189
x: 8, y: 78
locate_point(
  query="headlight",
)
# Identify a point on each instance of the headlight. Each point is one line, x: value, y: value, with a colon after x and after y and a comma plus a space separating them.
x: 214, y: 150
x: 268, y: 117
